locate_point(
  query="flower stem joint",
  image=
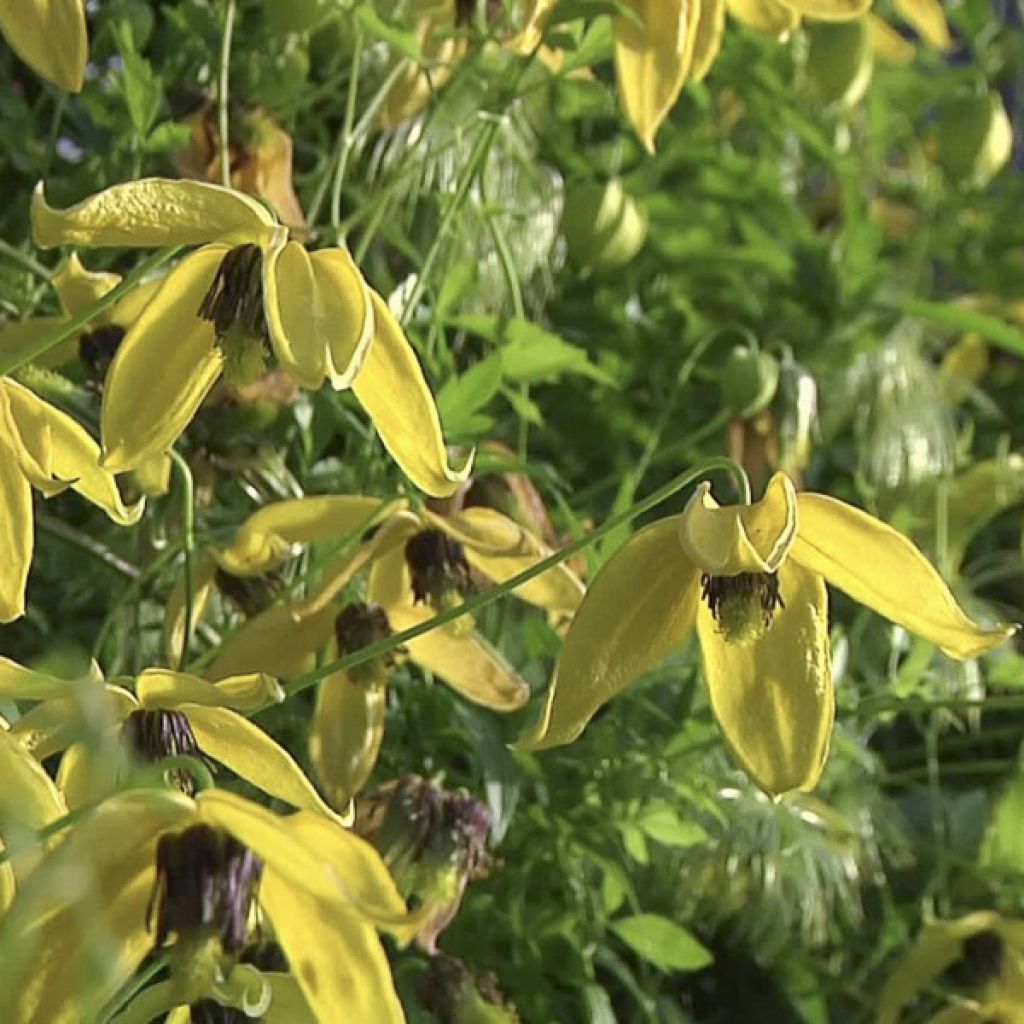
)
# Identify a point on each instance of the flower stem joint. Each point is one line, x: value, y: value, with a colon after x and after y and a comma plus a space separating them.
x: 743, y: 605
x: 441, y: 574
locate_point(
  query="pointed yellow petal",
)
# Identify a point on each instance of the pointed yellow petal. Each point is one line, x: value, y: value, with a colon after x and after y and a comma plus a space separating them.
x: 344, y: 314
x: 78, y: 288
x: 129, y: 307
x: 346, y: 733
x: 252, y: 755
x: 160, y: 688
x: 296, y: 312
x: 880, y: 568
x: 710, y: 30
x: 392, y: 389
x: 90, y: 772
x: 28, y: 439
x: 20, y: 683
x: 500, y: 548
x: 830, y: 10
x: 463, y: 659
x: 887, y: 44
x: 939, y: 945
x: 389, y: 583
x: 151, y: 212
x: 637, y: 610
x: 772, y: 17
x: 54, y: 725
x: 652, y: 59
x: 50, y: 37
x: 164, y: 367
x: 335, y: 956
x: 268, y: 537
x: 773, y: 697
x: 18, y: 340
x: 28, y: 795
x: 928, y: 19
x: 16, y: 536
x: 740, y: 538
x: 274, y: 642
x: 73, y: 454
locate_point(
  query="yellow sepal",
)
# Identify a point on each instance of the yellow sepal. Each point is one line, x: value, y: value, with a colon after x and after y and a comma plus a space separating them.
x: 50, y: 37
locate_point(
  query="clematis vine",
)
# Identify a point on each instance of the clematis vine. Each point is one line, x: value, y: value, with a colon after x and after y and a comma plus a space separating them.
x: 50, y: 37
x: 247, y: 286
x: 43, y: 448
x: 156, y: 870
x: 751, y: 580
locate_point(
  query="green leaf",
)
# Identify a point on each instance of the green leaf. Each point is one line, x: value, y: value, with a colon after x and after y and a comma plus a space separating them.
x: 949, y: 314
x: 142, y: 89
x: 403, y: 42
x: 1003, y: 845
x: 534, y: 355
x: 462, y: 397
x: 662, y: 942
x: 661, y: 823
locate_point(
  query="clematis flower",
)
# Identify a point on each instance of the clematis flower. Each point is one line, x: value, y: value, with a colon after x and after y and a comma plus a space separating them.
x: 44, y: 448
x: 170, y: 714
x: 246, y: 285
x: 751, y: 579
x: 982, y: 954
x: 50, y: 37
x: 780, y: 17
x: 153, y: 869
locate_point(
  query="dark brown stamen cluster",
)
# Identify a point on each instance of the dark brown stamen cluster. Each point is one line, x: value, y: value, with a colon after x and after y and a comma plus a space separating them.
x: 154, y: 735
x: 980, y: 962
x: 760, y: 586
x: 206, y: 884
x: 97, y: 349
x: 464, y: 10
x: 251, y: 594
x: 358, y: 625
x: 438, y: 567
x: 235, y: 299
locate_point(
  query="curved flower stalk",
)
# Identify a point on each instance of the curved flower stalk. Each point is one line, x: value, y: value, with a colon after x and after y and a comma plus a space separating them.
x: 77, y: 289
x: 170, y: 714
x: 983, y: 951
x: 44, y: 448
x: 751, y: 580
x: 157, y: 869
x: 50, y: 37
x: 246, y: 286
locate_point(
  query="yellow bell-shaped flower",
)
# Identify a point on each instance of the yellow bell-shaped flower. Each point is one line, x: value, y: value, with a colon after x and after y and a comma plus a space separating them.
x: 156, y: 869
x: 751, y: 580
x: 246, y: 286
x: 42, y: 447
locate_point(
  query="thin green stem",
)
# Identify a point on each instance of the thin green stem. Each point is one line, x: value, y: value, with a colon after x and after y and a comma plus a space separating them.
x: 131, y: 988
x: 347, y: 139
x: 480, y: 601
x: 24, y: 260
x: 223, y: 125
x: 86, y: 543
x: 12, y: 361
x: 50, y: 829
x: 150, y: 1004
x: 188, y: 514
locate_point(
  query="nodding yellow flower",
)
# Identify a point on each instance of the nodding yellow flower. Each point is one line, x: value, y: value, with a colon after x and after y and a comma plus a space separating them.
x: 44, y: 448
x: 170, y: 714
x: 780, y: 17
x: 156, y: 869
x: 982, y: 956
x: 50, y: 37
x: 751, y: 579
x: 246, y: 286
x: 77, y: 289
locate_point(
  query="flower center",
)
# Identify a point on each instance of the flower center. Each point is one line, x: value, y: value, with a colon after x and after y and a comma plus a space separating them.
x: 251, y: 594
x: 743, y: 605
x: 154, y: 735
x: 234, y: 305
x: 440, y: 572
x: 357, y: 626
x: 97, y: 349
x: 205, y: 888
x: 981, y: 960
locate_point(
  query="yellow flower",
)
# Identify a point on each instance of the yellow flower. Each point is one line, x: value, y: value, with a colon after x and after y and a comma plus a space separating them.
x: 42, y: 447
x: 169, y: 714
x: 983, y: 951
x: 77, y: 289
x: 417, y: 562
x: 156, y: 868
x: 247, y: 285
x: 752, y: 581
x: 780, y: 17
x: 49, y: 36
